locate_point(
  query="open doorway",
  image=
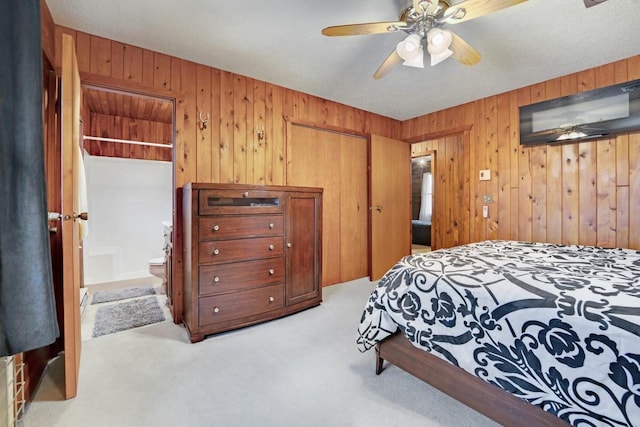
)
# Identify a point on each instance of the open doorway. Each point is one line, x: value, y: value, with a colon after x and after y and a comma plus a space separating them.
x: 451, y: 181
x: 128, y: 141
x: 421, y: 203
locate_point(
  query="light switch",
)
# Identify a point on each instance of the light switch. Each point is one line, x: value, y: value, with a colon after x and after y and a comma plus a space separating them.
x: 485, y: 175
x: 485, y: 211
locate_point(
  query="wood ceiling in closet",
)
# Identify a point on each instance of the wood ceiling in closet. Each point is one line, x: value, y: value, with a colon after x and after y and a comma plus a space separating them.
x: 120, y: 104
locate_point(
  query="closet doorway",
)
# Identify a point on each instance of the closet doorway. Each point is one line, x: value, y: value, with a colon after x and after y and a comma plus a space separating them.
x: 128, y: 153
x: 337, y: 162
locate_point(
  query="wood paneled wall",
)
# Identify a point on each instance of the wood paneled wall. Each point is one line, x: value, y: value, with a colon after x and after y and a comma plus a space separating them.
x: 228, y: 149
x: 575, y: 193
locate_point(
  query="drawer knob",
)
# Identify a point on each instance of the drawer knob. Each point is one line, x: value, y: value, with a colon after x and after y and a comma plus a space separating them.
x: 271, y: 247
x: 216, y: 279
x: 245, y: 194
x: 289, y: 245
x: 271, y: 271
x: 216, y: 251
x: 271, y: 225
x: 215, y: 228
x: 216, y: 309
x: 271, y: 299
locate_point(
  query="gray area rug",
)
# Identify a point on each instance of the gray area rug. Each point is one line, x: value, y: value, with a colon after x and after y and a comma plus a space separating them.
x: 120, y: 294
x: 126, y: 315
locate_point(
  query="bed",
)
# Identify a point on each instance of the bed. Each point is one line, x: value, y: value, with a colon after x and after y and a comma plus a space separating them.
x: 526, y: 333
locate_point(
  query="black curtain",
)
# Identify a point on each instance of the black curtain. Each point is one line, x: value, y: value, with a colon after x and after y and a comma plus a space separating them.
x: 27, y: 305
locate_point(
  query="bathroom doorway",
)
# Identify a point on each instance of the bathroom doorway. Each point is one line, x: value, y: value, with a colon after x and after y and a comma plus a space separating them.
x: 128, y: 155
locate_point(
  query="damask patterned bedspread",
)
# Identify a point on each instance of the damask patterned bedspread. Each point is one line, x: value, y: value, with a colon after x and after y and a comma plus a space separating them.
x: 558, y: 326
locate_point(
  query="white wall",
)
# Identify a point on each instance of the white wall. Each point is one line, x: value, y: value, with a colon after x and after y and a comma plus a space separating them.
x: 128, y: 200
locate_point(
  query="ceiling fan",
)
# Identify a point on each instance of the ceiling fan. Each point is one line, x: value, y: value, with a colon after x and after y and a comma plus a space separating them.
x: 423, y: 20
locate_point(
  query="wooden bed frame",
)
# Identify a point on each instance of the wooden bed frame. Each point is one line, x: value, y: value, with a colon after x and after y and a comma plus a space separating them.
x: 485, y: 398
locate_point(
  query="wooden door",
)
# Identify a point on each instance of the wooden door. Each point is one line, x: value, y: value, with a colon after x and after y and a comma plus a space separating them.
x: 336, y: 162
x: 70, y: 132
x: 303, y: 246
x: 390, y: 207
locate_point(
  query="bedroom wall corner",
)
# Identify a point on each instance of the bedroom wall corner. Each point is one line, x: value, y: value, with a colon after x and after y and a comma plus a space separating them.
x: 577, y: 193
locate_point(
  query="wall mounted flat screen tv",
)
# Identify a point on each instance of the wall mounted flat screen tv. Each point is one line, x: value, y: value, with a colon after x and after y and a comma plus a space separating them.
x: 597, y: 113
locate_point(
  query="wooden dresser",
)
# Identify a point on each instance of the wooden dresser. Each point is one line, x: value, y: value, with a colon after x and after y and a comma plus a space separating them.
x: 251, y: 254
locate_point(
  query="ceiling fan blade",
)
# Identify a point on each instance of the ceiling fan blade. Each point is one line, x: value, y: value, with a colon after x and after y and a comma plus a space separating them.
x: 462, y: 51
x: 361, y: 29
x: 471, y: 9
x: 392, y: 60
x: 416, y: 5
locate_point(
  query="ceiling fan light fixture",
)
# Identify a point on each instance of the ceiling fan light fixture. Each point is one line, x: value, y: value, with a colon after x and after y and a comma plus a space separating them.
x: 410, y: 47
x: 438, y: 42
x: 417, y: 61
x: 571, y: 135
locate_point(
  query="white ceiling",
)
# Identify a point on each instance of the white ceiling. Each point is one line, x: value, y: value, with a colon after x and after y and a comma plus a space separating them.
x: 279, y: 41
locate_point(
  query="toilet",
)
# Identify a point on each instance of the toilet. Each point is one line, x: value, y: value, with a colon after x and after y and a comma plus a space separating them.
x: 156, y: 267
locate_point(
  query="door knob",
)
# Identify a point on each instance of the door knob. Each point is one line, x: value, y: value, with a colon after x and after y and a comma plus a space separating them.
x: 379, y: 208
x: 83, y: 215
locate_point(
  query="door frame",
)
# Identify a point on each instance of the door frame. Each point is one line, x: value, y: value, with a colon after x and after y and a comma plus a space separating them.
x: 111, y: 84
x: 465, y: 133
x: 434, y: 167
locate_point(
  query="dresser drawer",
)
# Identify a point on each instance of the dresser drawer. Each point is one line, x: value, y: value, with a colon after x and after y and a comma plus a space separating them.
x: 222, y: 308
x: 232, y: 227
x: 221, y: 251
x: 237, y: 276
x: 242, y: 201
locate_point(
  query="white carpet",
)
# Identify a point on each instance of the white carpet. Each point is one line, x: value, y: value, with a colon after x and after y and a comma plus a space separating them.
x: 301, y: 370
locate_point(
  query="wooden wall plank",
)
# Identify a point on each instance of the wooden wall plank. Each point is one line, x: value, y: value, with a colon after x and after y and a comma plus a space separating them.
x: 525, y: 201
x: 132, y: 63
x: 187, y: 120
x: 83, y: 51
x: 570, y: 176
x: 622, y: 217
x: 251, y: 136
x: 491, y: 112
x: 117, y: 60
x: 634, y: 190
x: 269, y: 134
x: 240, y: 142
x: 478, y: 228
x: 554, y: 167
x: 162, y: 71
x: 147, y: 67
x: 203, y: 109
x: 259, y: 145
x: 278, y: 136
x: 606, y: 193
x: 587, y: 232
x: 100, y: 61
x: 503, y: 168
x: 215, y: 124
x: 226, y: 127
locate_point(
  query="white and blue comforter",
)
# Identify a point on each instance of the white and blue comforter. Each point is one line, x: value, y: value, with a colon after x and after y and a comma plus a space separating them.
x: 558, y: 326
